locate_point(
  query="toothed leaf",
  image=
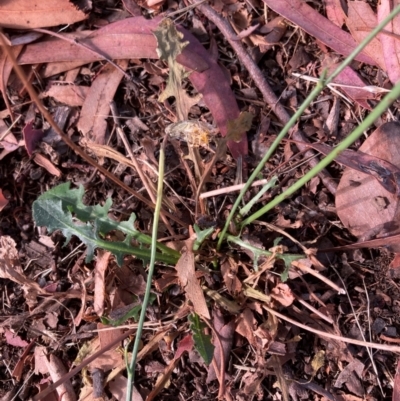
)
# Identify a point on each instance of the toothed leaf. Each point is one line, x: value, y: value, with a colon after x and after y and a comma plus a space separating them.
x: 54, y: 210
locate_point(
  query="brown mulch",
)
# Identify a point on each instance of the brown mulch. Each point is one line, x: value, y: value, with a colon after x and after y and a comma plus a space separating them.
x: 56, y: 307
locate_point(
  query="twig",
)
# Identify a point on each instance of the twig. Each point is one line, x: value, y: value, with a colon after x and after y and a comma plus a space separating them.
x: 232, y: 188
x: 303, y: 267
x: 384, y: 347
x: 314, y: 310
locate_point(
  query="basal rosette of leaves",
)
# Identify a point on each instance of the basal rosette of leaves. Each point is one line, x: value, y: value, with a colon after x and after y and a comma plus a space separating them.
x: 62, y: 208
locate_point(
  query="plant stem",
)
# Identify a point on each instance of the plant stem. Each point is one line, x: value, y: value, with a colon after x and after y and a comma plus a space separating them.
x: 319, y: 87
x: 153, y: 249
x: 369, y: 120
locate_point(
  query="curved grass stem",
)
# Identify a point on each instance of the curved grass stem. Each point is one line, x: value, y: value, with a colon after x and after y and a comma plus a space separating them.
x: 368, y: 121
x: 322, y: 83
x: 153, y: 250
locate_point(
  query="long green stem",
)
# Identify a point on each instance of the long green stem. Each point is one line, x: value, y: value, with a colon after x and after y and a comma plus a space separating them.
x: 153, y: 249
x: 317, y: 90
x: 368, y: 121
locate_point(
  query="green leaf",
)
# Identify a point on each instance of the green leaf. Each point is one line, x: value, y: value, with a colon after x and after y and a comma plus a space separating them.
x: 54, y: 210
x: 288, y: 259
x: 202, y: 235
x: 270, y: 184
x: 202, y: 342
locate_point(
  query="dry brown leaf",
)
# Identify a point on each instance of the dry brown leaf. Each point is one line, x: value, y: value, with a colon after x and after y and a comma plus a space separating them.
x: 350, y: 376
x: 40, y: 360
x: 57, y: 371
x: 334, y: 12
x: 111, y: 358
x: 283, y: 294
x: 246, y: 324
x: 363, y: 205
x: 9, y: 143
x: 71, y: 95
x: 23, y: 14
x: 225, y: 332
x: 10, y: 267
x: 361, y: 21
x: 152, y: 345
x: 132, y: 7
x: 60, y: 66
x: 349, y: 77
x: 189, y: 282
x: 22, y: 362
x: 229, y: 270
x: 42, y: 161
x: 275, y: 29
x: 390, y: 43
x: 309, y: 19
x: 118, y: 387
x: 14, y: 339
x: 99, y: 283
x: 96, y: 107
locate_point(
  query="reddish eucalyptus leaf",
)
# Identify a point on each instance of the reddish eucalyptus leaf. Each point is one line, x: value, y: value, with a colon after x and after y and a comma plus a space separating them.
x: 217, y: 93
x: 186, y: 344
x: 44, y: 162
x: 22, y: 14
x: 133, y: 38
x: 318, y: 26
x: 124, y: 39
x: 14, y: 339
x: 390, y: 44
x: 335, y: 12
x: 96, y: 107
x: 32, y: 136
x: 361, y: 21
x: 363, y: 205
